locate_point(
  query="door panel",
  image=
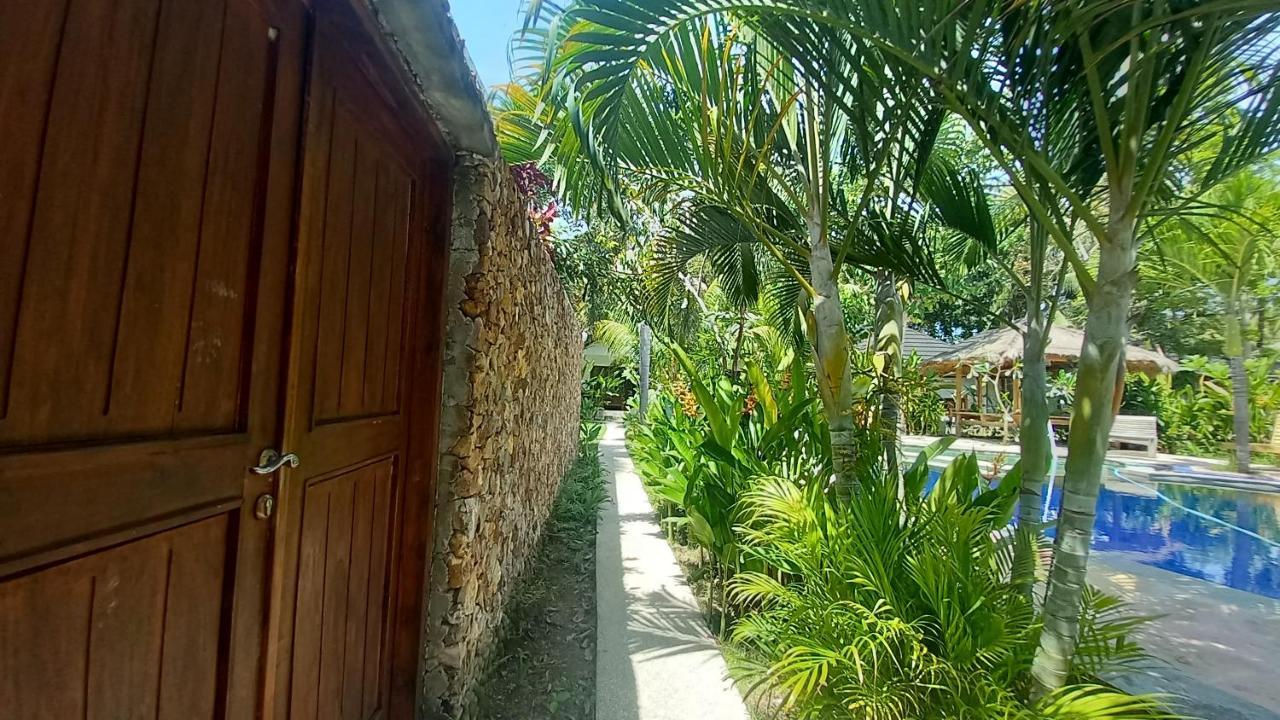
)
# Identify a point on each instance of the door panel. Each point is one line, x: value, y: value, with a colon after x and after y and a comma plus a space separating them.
x: 342, y: 592
x: 362, y: 239
x: 129, y: 632
x: 145, y: 188
x: 362, y: 278
x: 131, y: 314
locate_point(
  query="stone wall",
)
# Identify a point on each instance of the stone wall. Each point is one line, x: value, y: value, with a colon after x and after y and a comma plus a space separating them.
x: 508, y: 428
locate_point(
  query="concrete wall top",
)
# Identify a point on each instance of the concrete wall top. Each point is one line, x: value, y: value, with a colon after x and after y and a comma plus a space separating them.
x: 429, y: 43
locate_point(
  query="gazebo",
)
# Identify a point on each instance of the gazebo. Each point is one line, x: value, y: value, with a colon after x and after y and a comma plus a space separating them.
x: 1000, y: 349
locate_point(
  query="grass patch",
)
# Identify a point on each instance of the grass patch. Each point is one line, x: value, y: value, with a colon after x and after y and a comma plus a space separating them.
x: 544, y: 666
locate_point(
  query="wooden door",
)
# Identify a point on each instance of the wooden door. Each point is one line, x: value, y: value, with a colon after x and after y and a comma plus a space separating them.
x: 146, y: 151
x: 360, y: 304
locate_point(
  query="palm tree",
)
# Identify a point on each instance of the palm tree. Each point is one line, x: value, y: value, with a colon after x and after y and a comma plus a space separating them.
x: 1155, y: 81
x: 1224, y: 260
x: 760, y: 173
x: 1158, y: 83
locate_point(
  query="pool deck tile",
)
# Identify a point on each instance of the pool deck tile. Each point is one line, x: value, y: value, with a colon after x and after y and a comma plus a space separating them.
x: 1218, y: 646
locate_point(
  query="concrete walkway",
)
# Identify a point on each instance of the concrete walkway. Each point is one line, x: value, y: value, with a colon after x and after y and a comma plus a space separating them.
x: 655, y: 658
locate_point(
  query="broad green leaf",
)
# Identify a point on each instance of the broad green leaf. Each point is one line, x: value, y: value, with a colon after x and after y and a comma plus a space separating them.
x: 723, y: 428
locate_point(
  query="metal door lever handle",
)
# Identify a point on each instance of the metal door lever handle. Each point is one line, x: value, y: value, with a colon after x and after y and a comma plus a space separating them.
x: 271, y: 460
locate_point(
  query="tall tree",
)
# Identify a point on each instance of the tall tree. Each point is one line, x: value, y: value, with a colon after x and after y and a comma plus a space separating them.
x: 762, y: 169
x: 1225, y: 260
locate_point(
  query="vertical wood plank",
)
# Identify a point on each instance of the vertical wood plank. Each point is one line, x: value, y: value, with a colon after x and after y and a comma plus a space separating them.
x: 333, y: 281
x: 336, y: 575
x: 396, y: 317
x: 215, y: 346
x: 365, y: 486
x: 81, y: 226
x: 364, y: 210
x: 375, y: 630
x: 44, y: 645
x: 127, y: 627
x: 146, y: 375
x: 383, y: 241
x: 30, y: 36
x: 321, y: 143
x: 189, y: 664
x: 308, y: 618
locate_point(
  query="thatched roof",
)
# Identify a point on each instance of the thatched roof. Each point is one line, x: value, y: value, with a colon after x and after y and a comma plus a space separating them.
x: 1002, y: 347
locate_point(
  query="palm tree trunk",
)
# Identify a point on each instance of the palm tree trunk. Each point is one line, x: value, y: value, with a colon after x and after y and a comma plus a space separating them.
x: 831, y: 358
x: 1091, y: 421
x: 1240, y: 411
x: 1033, y: 434
x: 888, y: 343
x: 1237, y: 352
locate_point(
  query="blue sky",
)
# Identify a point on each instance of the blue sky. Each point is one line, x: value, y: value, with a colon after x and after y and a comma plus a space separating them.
x: 486, y: 26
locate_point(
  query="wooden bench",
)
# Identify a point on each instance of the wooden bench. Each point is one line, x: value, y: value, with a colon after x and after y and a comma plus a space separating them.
x: 968, y: 418
x: 1137, y: 430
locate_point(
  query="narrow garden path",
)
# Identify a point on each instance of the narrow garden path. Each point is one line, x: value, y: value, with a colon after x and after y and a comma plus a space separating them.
x: 656, y: 659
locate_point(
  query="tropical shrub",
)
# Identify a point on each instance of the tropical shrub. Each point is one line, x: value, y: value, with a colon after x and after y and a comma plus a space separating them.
x: 922, y: 408
x: 900, y: 604
x: 595, y: 390
x: 1195, y: 415
x: 701, y: 447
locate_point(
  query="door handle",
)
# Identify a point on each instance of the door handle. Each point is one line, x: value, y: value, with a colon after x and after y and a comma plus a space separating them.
x: 271, y: 460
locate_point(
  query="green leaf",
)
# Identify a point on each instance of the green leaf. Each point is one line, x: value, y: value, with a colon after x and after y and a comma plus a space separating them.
x: 917, y: 476
x: 764, y: 393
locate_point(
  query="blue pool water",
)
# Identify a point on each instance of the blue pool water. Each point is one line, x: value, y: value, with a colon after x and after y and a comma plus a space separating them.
x: 1225, y: 536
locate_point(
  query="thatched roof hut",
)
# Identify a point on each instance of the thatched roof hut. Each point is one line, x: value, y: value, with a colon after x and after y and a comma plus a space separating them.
x: 1002, y: 347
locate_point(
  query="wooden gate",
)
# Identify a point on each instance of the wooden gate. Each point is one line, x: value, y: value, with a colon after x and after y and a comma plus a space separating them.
x: 155, y: 338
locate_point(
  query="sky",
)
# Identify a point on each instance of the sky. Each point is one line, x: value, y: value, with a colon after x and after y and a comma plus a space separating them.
x: 486, y: 27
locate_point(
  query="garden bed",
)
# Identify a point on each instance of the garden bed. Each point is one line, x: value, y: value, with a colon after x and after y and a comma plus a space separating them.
x: 544, y: 666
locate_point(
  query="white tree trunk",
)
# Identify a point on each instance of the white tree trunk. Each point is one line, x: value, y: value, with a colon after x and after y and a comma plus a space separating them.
x: 1237, y: 354
x: 888, y: 343
x: 1240, y: 412
x: 1103, y: 351
x: 1033, y: 434
x: 831, y: 358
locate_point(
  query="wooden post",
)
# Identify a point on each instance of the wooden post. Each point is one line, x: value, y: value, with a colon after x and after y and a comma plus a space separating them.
x: 958, y: 402
x: 645, y: 344
x: 1117, y: 395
